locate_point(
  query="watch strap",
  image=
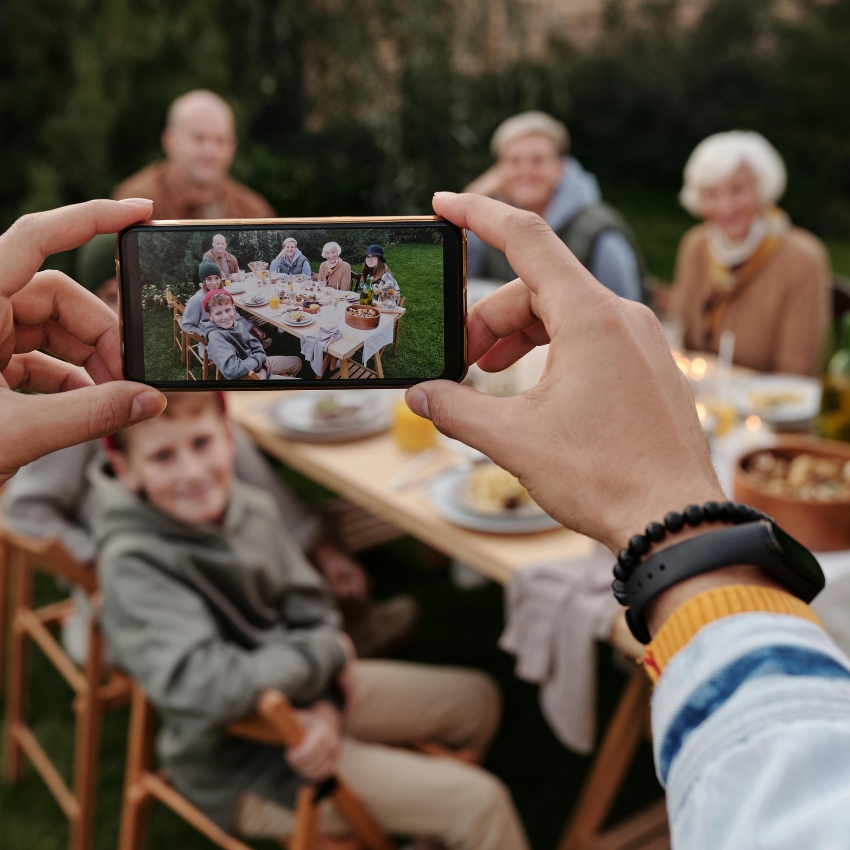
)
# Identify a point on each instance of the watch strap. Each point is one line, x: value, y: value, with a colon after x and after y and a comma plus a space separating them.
x: 715, y: 604
x: 754, y: 543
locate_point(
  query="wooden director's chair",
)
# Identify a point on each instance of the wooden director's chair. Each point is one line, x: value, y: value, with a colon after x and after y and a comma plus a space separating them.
x: 648, y: 829
x: 97, y: 689
x: 275, y: 723
x: 177, y: 308
x: 195, y: 346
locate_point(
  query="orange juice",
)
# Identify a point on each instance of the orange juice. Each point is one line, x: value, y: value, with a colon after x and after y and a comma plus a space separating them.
x: 412, y: 432
x: 274, y: 302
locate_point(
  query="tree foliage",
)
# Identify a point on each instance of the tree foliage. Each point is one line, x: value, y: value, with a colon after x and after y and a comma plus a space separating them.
x: 360, y: 107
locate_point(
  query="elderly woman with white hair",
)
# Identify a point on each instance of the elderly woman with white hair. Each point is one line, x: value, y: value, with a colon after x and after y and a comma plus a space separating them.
x: 746, y: 268
x: 334, y: 271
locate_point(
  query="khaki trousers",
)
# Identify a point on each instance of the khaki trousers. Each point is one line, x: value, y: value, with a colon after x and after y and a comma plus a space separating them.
x: 410, y: 793
x: 284, y: 364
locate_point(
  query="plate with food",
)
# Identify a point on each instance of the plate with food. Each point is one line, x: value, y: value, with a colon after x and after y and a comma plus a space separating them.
x: 487, y: 498
x: 351, y: 296
x: 330, y: 416
x: 297, y: 318
x: 255, y: 301
x: 783, y: 400
x: 235, y: 289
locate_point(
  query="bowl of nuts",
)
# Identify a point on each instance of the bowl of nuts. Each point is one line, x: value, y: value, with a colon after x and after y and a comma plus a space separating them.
x: 361, y: 317
x: 804, y: 484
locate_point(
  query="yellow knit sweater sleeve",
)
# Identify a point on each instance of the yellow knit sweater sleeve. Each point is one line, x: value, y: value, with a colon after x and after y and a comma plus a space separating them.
x: 704, y: 608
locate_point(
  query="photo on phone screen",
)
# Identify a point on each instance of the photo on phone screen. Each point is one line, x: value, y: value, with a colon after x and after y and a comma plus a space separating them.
x: 288, y: 304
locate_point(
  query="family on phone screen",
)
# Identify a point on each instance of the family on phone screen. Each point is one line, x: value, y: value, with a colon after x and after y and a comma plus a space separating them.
x: 235, y: 344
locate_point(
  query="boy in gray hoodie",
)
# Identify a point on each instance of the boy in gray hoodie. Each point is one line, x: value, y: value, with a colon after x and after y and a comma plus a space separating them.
x: 233, y: 349
x: 207, y: 602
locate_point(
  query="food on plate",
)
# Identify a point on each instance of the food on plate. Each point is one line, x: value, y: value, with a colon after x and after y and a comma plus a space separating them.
x: 297, y: 316
x: 804, y: 477
x: 771, y: 399
x: 332, y: 409
x: 491, y: 489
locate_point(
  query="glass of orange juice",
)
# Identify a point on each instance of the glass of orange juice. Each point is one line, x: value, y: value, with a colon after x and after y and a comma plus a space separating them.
x: 274, y: 302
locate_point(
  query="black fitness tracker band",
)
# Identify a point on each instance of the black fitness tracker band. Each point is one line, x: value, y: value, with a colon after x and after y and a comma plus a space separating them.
x: 761, y: 544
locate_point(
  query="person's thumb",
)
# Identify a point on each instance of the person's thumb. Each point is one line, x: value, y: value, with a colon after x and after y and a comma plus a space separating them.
x: 51, y: 422
x: 479, y: 420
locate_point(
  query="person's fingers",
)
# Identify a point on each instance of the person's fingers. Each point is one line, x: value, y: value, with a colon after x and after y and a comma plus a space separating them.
x: 33, y: 238
x: 540, y: 258
x: 507, y: 351
x: 35, y: 425
x: 509, y: 309
x: 479, y: 420
x: 40, y: 373
x: 57, y: 314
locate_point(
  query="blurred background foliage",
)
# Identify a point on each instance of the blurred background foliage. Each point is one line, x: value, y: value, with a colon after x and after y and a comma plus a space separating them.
x: 364, y: 106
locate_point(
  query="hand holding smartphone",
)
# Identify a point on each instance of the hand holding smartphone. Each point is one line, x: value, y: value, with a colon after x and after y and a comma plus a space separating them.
x: 285, y: 304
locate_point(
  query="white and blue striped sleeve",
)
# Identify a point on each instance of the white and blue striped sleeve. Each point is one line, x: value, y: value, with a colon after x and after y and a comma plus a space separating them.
x: 751, y: 729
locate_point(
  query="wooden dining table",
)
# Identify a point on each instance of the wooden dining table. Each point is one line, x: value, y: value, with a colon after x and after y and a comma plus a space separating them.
x: 362, y: 471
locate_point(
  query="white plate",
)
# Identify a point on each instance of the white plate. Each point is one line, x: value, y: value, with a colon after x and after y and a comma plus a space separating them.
x: 293, y: 416
x: 352, y: 296
x: 802, y: 405
x: 308, y: 321
x: 445, y: 500
x: 248, y: 303
x: 234, y: 290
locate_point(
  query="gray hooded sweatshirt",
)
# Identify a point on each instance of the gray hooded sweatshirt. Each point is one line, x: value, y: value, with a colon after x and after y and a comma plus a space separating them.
x: 233, y: 350
x: 612, y: 258
x: 298, y: 265
x: 206, y: 618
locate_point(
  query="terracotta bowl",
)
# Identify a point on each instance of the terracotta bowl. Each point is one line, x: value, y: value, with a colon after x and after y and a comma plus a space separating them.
x: 361, y: 322
x: 821, y: 526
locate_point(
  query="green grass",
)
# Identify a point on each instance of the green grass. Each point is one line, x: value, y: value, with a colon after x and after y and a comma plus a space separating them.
x: 419, y: 271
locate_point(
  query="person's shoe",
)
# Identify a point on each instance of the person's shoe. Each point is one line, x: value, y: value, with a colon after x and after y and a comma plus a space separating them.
x: 378, y: 628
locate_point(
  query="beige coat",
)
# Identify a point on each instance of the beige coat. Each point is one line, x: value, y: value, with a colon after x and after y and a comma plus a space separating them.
x: 779, y: 316
x: 339, y: 278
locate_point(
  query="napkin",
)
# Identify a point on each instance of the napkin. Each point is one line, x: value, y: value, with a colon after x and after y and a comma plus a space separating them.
x: 382, y: 335
x: 556, y: 612
x: 314, y: 346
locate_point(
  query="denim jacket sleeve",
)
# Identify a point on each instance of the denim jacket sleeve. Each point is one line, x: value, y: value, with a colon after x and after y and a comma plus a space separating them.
x: 751, y: 731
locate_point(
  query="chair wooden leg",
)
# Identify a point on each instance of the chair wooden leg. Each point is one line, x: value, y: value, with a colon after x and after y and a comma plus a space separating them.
x: 89, y: 713
x: 395, y: 336
x: 379, y: 367
x: 18, y: 671
x: 613, y: 760
x: 137, y: 801
x: 306, y: 833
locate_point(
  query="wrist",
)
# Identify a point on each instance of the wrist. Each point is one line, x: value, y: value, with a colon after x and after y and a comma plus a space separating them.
x: 658, y: 610
x: 654, y: 508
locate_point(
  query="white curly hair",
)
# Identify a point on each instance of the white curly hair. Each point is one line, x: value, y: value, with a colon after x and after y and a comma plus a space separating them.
x: 717, y: 157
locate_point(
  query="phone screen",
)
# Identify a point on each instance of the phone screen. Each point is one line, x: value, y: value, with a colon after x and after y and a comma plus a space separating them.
x: 293, y: 304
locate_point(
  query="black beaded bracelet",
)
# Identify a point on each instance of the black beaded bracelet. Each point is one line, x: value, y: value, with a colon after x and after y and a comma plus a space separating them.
x: 729, y: 513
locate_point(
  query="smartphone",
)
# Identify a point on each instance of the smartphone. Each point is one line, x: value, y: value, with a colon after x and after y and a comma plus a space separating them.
x: 293, y: 303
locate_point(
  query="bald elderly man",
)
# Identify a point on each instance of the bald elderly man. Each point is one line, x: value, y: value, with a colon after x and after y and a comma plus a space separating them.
x: 193, y: 181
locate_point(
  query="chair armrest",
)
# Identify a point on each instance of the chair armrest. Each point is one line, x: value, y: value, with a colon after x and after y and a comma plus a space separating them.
x: 274, y: 723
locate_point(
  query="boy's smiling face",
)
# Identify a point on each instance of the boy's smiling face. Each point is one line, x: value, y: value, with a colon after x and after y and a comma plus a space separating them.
x: 223, y: 315
x: 182, y: 461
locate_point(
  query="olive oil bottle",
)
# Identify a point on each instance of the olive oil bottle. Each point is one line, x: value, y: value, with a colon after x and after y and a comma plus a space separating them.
x: 834, y: 419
